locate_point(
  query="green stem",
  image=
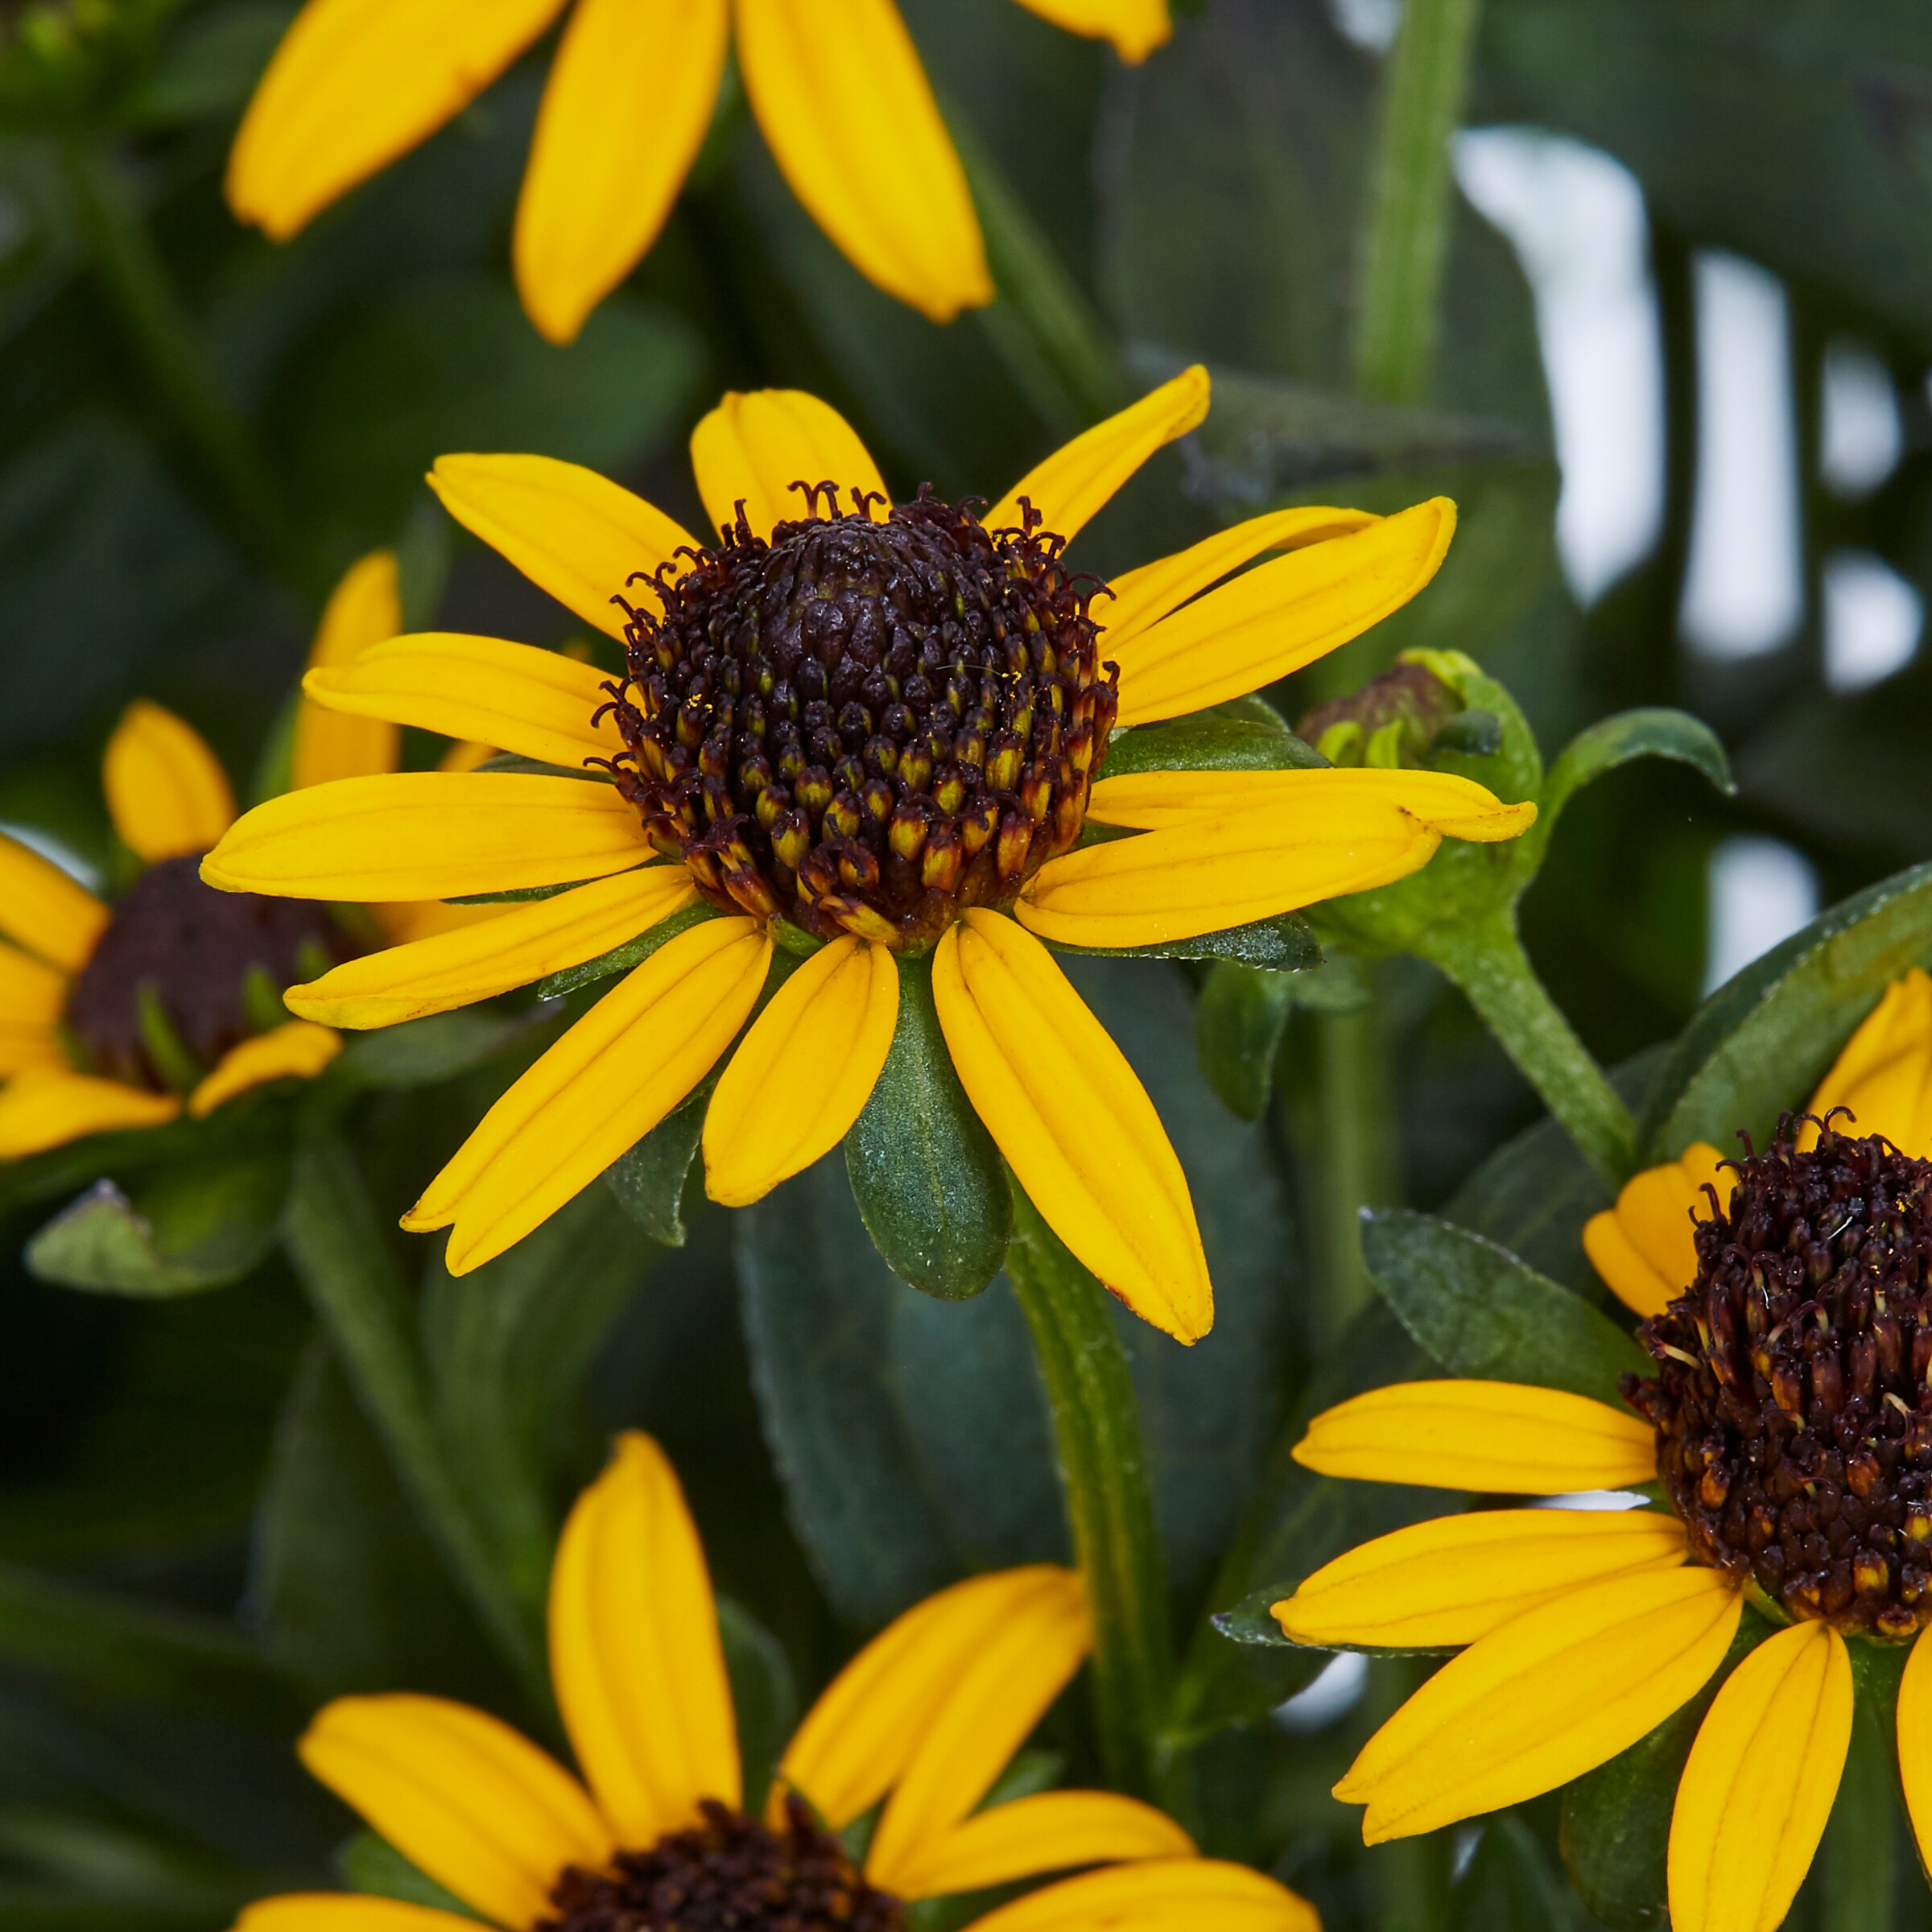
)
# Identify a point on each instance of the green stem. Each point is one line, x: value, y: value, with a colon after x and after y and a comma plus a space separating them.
x: 1407, y: 242
x: 1104, y: 1477
x: 1861, y: 1842
x: 133, y: 279
x: 1485, y: 958
x: 336, y: 1246
x: 1042, y: 326
x: 1350, y: 1147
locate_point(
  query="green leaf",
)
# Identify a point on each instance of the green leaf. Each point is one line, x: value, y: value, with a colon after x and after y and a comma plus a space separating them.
x: 1616, y: 1819
x: 371, y: 1864
x: 1481, y: 1314
x: 1247, y: 734
x: 1238, y: 1023
x: 1651, y: 733
x: 506, y: 1350
x: 926, y: 1177
x: 425, y: 1053
x: 764, y: 1697
x: 1511, y: 1885
x: 1758, y: 1045
x: 620, y: 959
x: 1285, y: 944
x: 195, y: 1225
x: 649, y: 1182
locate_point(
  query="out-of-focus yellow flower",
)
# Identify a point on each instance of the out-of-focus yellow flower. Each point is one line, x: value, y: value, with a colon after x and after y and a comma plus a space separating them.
x: 836, y: 86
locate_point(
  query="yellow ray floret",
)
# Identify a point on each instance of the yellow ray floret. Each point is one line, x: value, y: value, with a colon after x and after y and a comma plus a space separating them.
x: 344, y: 1912
x: 802, y: 1072
x: 1914, y: 1740
x: 521, y: 945
x: 363, y: 609
x: 1178, y: 1895
x: 1643, y: 1247
x: 1884, y: 1073
x: 1136, y: 28
x: 603, y: 176
x: 1510, y: 1437
x: 1459, y: 807
x: 461, y: 1795
x: 166, y: 792
x: 47, y: 1105
x: 1553, y: 1694
x: 1053, y: 1831
x: 753, y: 448
x: 44, y: 910
x: 1077, y: 1127
x: 634, y: 1651
x: 572, y: 532
x: 1752, y: 1803
x: 537, y: 704
x: 1455, y: 1580
x: 298, y: 1051
x: 428, y: 834
x: 598, y: 1092
x: 1079, y: 480
x: 1281, y: 615
x: 851, y: 120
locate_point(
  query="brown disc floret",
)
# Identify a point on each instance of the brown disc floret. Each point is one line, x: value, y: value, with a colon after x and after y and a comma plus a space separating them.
x: 1791, y: 1405
x: 869, y: 720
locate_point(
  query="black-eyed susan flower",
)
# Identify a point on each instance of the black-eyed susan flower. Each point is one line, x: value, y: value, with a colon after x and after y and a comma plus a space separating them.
x: 659, y: 1830
x: 867, y: 739
x: 1643, y: 1247
x: 1788, y: 1429
x: 837, y: 90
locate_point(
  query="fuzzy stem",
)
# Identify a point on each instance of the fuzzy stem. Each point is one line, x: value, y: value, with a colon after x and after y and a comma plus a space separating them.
x: 1485, y: 958
x: 1348, y: 1142
x: 1103, y: 1479
x: 1407, y: 244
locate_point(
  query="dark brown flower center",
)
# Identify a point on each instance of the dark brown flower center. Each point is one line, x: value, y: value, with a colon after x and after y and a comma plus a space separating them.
x: 185, y: 953
x: 730, y: 1874
x: 866, y: 722
x: 1793, y: 1416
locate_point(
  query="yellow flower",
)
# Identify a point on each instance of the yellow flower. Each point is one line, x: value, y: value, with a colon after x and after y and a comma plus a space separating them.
x: 835, y: 84
x: 925, y: 1719
x: 1786, y: 1427
x: 964, y: 667
x: 1642, y: 1246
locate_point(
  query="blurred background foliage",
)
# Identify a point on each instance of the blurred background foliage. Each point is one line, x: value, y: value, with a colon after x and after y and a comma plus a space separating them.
x: 200, y: 1535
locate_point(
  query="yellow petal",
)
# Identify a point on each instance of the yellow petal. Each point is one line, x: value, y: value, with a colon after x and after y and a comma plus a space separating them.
x: 344, y: 1912
x: 1884, y: 1074
x: 25, y: 1044
x: 572, y: 532
x: 1759, y: 1784
x: 605, y: 168
x: 1142, y: 597
x: 1508, y: 1438
x: 460, y: 1794
x: 482, y: 958
x: 1457, y: 1578
x: 1079, y: 479
x: 1136, y: 28
x: 872, y: 1719
x: 1207, y: 874
x: 1914, y: 1734
x: 803, y: 1072
x: 298, y: 1051
x: 1152, y: 801
x: 32, y: 993
x: 753, y: 448
x: 47, y: 1105
x: 598, y: 1092
x: 1281, y: 615
x: 428, y: 834
x: 167, y: 793
x: 355, y: 83
x: 364, y: 609
x: 1002, y: 1690
x: 1072, y: 1120
x: 44, y: 910
x: 1643, y: 1247
x: 848, y: 115
x: 1556, y: 1692
x: 537, y: 704
x: 1168, y: 1895
x: 1055, y: 1832
x: 634, y: 1650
